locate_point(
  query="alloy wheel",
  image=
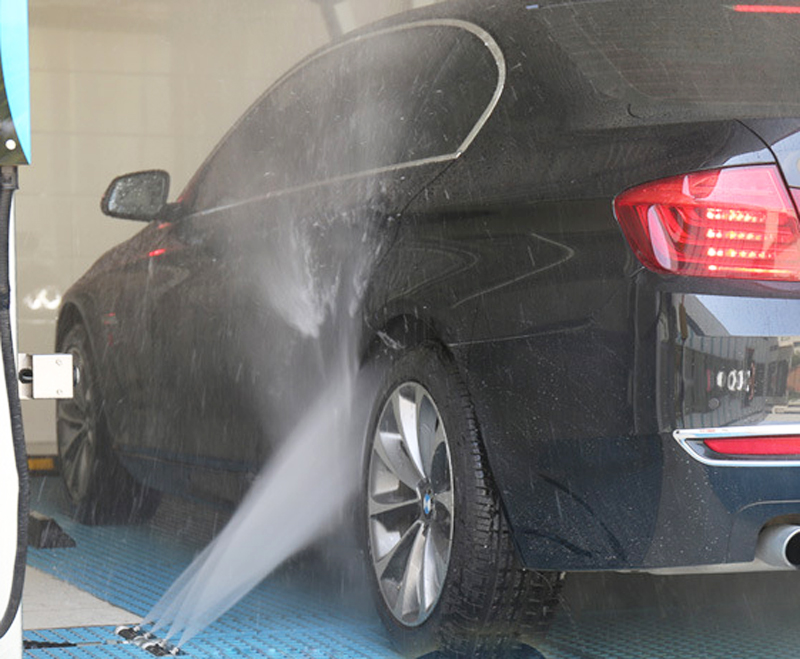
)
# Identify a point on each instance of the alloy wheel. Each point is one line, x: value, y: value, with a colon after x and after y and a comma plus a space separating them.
x: 410, y: 504
x: 77, y: 434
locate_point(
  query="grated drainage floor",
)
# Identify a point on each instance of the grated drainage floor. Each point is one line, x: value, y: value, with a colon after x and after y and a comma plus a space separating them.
x: 309, y: 611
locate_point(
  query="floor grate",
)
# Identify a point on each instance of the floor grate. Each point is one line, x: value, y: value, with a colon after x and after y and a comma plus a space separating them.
x: 314, y: 617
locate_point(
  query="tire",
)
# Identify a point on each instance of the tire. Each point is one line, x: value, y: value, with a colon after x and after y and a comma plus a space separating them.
x: 100, y: 489
x: 440, y: 555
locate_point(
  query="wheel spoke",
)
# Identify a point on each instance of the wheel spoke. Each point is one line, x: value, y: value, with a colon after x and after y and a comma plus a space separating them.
x: 409, y: 601
x: 71, y: 414
x: 77, y: 458
x: 393, y: 452
x: 72, y: 443
x: 405, y: 405
x: 433, y: 570
x: 444, y: 503
x: 440, y: 546
x: 73, y: 480
x: 429, y: 432
x: 387, y: 560
x: 383, y: 505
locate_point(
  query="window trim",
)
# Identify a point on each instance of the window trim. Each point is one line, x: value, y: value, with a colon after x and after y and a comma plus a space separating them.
x: 489, y: 43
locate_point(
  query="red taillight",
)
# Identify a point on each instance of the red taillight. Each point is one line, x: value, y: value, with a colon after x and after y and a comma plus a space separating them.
x: 784, y: 445
x: 767, y: 9
x: 738, y: 223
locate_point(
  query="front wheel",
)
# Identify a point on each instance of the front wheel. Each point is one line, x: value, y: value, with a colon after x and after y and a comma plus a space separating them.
x: 442, y: 560
x: 98, y: 486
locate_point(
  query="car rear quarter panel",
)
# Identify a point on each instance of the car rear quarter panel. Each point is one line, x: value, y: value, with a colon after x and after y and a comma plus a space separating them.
x: 569, y: 348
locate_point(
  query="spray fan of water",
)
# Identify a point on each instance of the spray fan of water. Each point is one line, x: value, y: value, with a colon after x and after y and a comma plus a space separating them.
x: 301, y: 490
x: 316, y: 469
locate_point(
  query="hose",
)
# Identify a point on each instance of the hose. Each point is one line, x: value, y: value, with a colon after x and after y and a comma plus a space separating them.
x: 8, y: 184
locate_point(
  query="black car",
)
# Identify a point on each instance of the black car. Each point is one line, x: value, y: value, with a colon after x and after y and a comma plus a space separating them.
x: 566, y: 233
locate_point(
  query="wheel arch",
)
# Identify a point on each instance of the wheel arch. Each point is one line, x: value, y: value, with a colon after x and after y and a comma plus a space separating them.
x: 406, y: 330
x: 79, y: 309
x: 406, y: 333
x: 69, y: 316
x: 401, y: 331
x: 76, y: 312
x: 383, y: 341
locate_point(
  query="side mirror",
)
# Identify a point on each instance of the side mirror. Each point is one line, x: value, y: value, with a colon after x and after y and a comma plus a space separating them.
x: 138, y: 196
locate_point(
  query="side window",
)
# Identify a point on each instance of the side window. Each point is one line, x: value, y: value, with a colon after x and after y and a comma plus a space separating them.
x: 404, y: 96
x: 254, y: 159
x: 381, y: 101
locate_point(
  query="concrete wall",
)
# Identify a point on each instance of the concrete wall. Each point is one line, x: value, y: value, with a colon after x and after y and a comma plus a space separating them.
x: 124, y: 86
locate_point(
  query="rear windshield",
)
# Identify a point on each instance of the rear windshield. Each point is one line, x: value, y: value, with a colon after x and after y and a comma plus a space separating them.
x: 687, y: 52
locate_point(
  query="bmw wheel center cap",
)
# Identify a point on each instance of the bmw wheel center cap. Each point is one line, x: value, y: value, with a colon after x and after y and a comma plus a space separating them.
x: 427, y: 504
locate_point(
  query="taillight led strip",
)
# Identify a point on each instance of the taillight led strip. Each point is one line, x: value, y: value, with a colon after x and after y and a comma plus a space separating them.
x: 735, y: 222
x: 742, y: 446
x: 767, y: 9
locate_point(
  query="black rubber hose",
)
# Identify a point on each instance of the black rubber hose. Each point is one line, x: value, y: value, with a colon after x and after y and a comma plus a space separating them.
x: 8, y: 183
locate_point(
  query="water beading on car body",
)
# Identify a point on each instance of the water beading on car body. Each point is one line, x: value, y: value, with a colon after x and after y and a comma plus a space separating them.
x: 582, y: 294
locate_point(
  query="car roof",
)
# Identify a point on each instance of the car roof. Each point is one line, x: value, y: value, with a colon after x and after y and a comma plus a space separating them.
x: 648, y: 59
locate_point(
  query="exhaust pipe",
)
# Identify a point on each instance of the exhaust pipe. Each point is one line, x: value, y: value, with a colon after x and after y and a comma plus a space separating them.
x: 780, y: 546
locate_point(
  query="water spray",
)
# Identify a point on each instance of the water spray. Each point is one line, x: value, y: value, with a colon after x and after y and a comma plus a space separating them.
x: 317, y: 468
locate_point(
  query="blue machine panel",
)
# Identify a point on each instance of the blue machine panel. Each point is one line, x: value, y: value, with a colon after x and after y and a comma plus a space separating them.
x: 15, y: 105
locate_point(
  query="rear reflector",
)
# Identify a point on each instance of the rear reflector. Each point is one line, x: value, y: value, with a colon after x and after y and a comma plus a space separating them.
x: 784, y: 445
x: 738, y: 223
x: 767, y: 9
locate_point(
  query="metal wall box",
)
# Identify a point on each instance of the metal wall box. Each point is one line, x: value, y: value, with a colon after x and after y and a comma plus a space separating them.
x: 45, y: 376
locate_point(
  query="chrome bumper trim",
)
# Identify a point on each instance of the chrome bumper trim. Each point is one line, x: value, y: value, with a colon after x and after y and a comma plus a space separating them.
x: 691, y: 440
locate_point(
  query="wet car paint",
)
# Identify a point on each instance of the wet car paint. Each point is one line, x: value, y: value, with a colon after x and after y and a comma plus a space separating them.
x: 580, y: 362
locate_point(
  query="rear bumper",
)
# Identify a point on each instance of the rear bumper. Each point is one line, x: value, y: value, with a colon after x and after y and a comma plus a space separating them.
x: 591, y: 431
